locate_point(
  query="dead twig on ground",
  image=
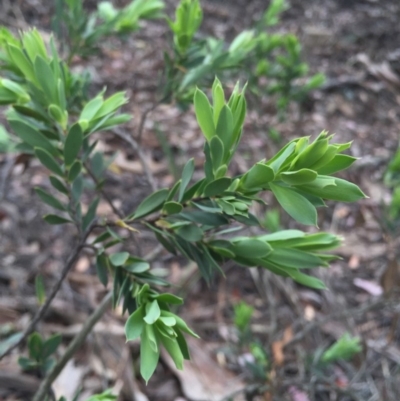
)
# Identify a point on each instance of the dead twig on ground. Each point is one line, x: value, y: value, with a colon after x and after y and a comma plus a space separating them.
x: 338, y: 314
x: 73, y: 346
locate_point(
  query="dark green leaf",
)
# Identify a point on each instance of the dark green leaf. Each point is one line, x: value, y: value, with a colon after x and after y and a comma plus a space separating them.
x: 172, y: 207
x: 187, y: 174
x: 306, y: 280
x: 91, y: 214
x: 251, y: 248
x: 54, y: 219
x: 151, y: 204
x: 50, y: 345
x: 217, y: 187
x: 58, y: 185
x: 77, y: 188
x: 50, y: 199
x: 190, y: 232
x: 74, y: 171
x: 35, y: 346
x: 102, y: 268
x: 295, y: 258
x: 48, y: 161
x: 73, y: 143
x: 295, y: 205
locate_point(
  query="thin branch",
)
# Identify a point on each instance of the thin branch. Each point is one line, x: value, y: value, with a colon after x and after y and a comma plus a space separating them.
x: 138, y: 150
x: 144, y: 118
x: 103, y: 193
x: 337, y: 315
x: 43, y: 309
x: 73, y: 346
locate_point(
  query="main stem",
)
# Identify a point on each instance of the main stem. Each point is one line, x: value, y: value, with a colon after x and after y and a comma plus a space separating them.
x: 73, y: 346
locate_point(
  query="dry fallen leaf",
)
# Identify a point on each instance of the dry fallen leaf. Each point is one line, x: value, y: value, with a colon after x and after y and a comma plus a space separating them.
x: 277, y: 346
x: 370, y: 286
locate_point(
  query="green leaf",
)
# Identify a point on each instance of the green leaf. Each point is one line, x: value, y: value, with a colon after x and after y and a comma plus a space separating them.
x: 31, y: 136
x: 224, y: 128
x: 74, y: 170
x: 54, y: 219
x: 257, y: 177
x: 311, y: 154
x: 181, y: 324
x: 91, y: 214
x: 58, y: 185
x: 151, y: 204
x: 148, y: 356
x: 172, y: 207
x: 45, y: 77
x: 153, y: 312
x: 217, y: 152
x: 135, y: 324
x: 343, y: 349
x: 50, y: 345
x: 136, y: 265
x: 35, y: 346
x: 50, y: 199
x: 218, y: 99
x: 217, y: 187
x: 39, y: 289
x: 209, y: 219
x: 300, y: 177
x: 182, y: 344
x: 77, y: 188
x: 306, y: 280
x: 343, y: 191
x: 190, y: 232
x: 338, y: 163
x: 251, y: 247
x: 295, y: 205
x: 173, y: 349
x: 187, y: 175
x: 91, y: 108
x: 295, y: 258
x: 169, y: 299
x: 48, y: 161
x: 102, y: 268
x: 204, y: 114
x: 119, y: 258
x: 73, y: 143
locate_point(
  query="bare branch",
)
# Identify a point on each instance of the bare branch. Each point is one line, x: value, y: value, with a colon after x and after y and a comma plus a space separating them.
x: 138, y: 150
x: 73, y: 346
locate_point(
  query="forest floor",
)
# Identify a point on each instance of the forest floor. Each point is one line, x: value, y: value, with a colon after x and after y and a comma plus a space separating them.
x: 357, y: 45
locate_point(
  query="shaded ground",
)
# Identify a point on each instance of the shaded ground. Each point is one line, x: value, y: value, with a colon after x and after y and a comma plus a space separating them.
x: 357, y: 45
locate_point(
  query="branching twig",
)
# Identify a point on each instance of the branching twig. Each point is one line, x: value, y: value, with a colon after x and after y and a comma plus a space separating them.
x: 73, y: 346
x: 136, y: 147
x: 335, y: 315
x: 43, y: 309
x: 103, y: 193
x: 144, y: 118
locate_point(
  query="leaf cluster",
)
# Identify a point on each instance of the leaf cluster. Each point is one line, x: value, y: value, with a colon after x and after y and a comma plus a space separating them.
x: 84, y: 31
x: 271, y: 62
x: 40, y: 353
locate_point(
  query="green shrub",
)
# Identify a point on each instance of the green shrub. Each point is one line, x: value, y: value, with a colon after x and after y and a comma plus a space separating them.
x: 196, y: 219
